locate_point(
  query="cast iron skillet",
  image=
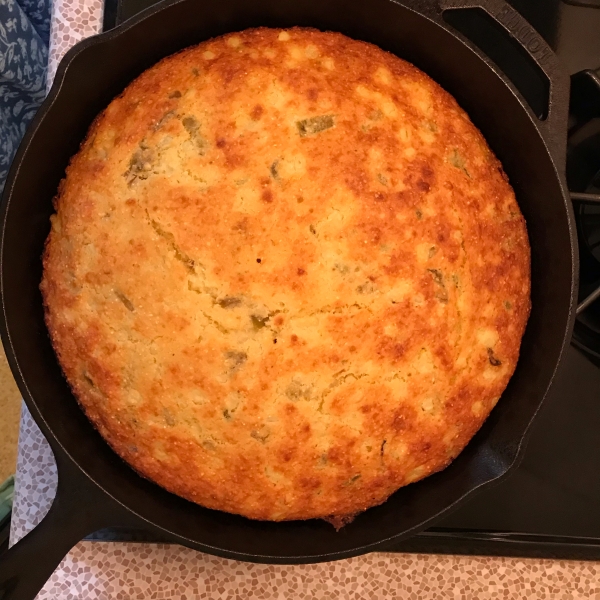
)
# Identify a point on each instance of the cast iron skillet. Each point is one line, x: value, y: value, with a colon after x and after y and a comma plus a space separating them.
x: 95, y: 488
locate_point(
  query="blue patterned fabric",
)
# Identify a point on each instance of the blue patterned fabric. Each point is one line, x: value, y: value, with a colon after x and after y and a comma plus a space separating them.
x: 24, y: 31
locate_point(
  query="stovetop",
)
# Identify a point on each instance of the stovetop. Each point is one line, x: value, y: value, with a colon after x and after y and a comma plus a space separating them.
x: 550, y: 505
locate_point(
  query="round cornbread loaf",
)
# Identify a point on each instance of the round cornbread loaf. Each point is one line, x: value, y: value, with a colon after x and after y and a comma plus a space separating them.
x: 286, y: 275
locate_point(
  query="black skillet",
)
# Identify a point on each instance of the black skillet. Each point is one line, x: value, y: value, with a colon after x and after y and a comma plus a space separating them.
x: 95, y: 488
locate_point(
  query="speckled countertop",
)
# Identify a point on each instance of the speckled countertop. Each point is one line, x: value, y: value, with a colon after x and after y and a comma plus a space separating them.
x: 127, y: 571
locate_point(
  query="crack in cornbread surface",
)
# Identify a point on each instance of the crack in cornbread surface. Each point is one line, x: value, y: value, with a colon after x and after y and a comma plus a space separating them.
x: 286, y: 275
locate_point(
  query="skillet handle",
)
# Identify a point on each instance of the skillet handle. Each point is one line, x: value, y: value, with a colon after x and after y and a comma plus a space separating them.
x: 554, y: 127
x: 79, y: 508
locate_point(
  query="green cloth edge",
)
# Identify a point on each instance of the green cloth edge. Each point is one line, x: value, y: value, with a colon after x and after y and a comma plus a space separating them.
x: 7, y: 492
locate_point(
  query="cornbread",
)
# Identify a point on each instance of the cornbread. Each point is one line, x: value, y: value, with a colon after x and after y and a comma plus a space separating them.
x: 286, y: 275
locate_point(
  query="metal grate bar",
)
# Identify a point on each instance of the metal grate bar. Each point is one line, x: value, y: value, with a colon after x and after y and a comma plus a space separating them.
x: 591, y: 298
x: 585, y: 198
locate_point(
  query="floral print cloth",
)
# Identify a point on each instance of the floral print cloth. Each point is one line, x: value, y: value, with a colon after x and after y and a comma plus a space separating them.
x: 24, y: 32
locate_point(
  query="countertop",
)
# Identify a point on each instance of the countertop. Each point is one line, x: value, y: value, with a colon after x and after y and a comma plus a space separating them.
x: 109, y: 570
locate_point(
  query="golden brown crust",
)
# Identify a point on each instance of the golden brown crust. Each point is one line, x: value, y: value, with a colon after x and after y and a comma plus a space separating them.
x: 286, y: 275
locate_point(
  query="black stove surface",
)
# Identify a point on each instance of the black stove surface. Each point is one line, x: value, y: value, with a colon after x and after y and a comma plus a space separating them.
x: 550, y: 505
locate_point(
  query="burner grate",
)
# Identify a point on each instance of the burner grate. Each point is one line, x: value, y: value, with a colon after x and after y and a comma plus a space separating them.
x: 592, y: 200
x: 583, y: 176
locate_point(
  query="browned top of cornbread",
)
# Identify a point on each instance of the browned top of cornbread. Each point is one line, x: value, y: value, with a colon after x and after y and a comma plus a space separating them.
x: 286, y: 275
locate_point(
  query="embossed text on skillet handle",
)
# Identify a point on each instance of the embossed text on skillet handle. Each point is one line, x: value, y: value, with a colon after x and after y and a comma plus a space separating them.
x: 554, y: 127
